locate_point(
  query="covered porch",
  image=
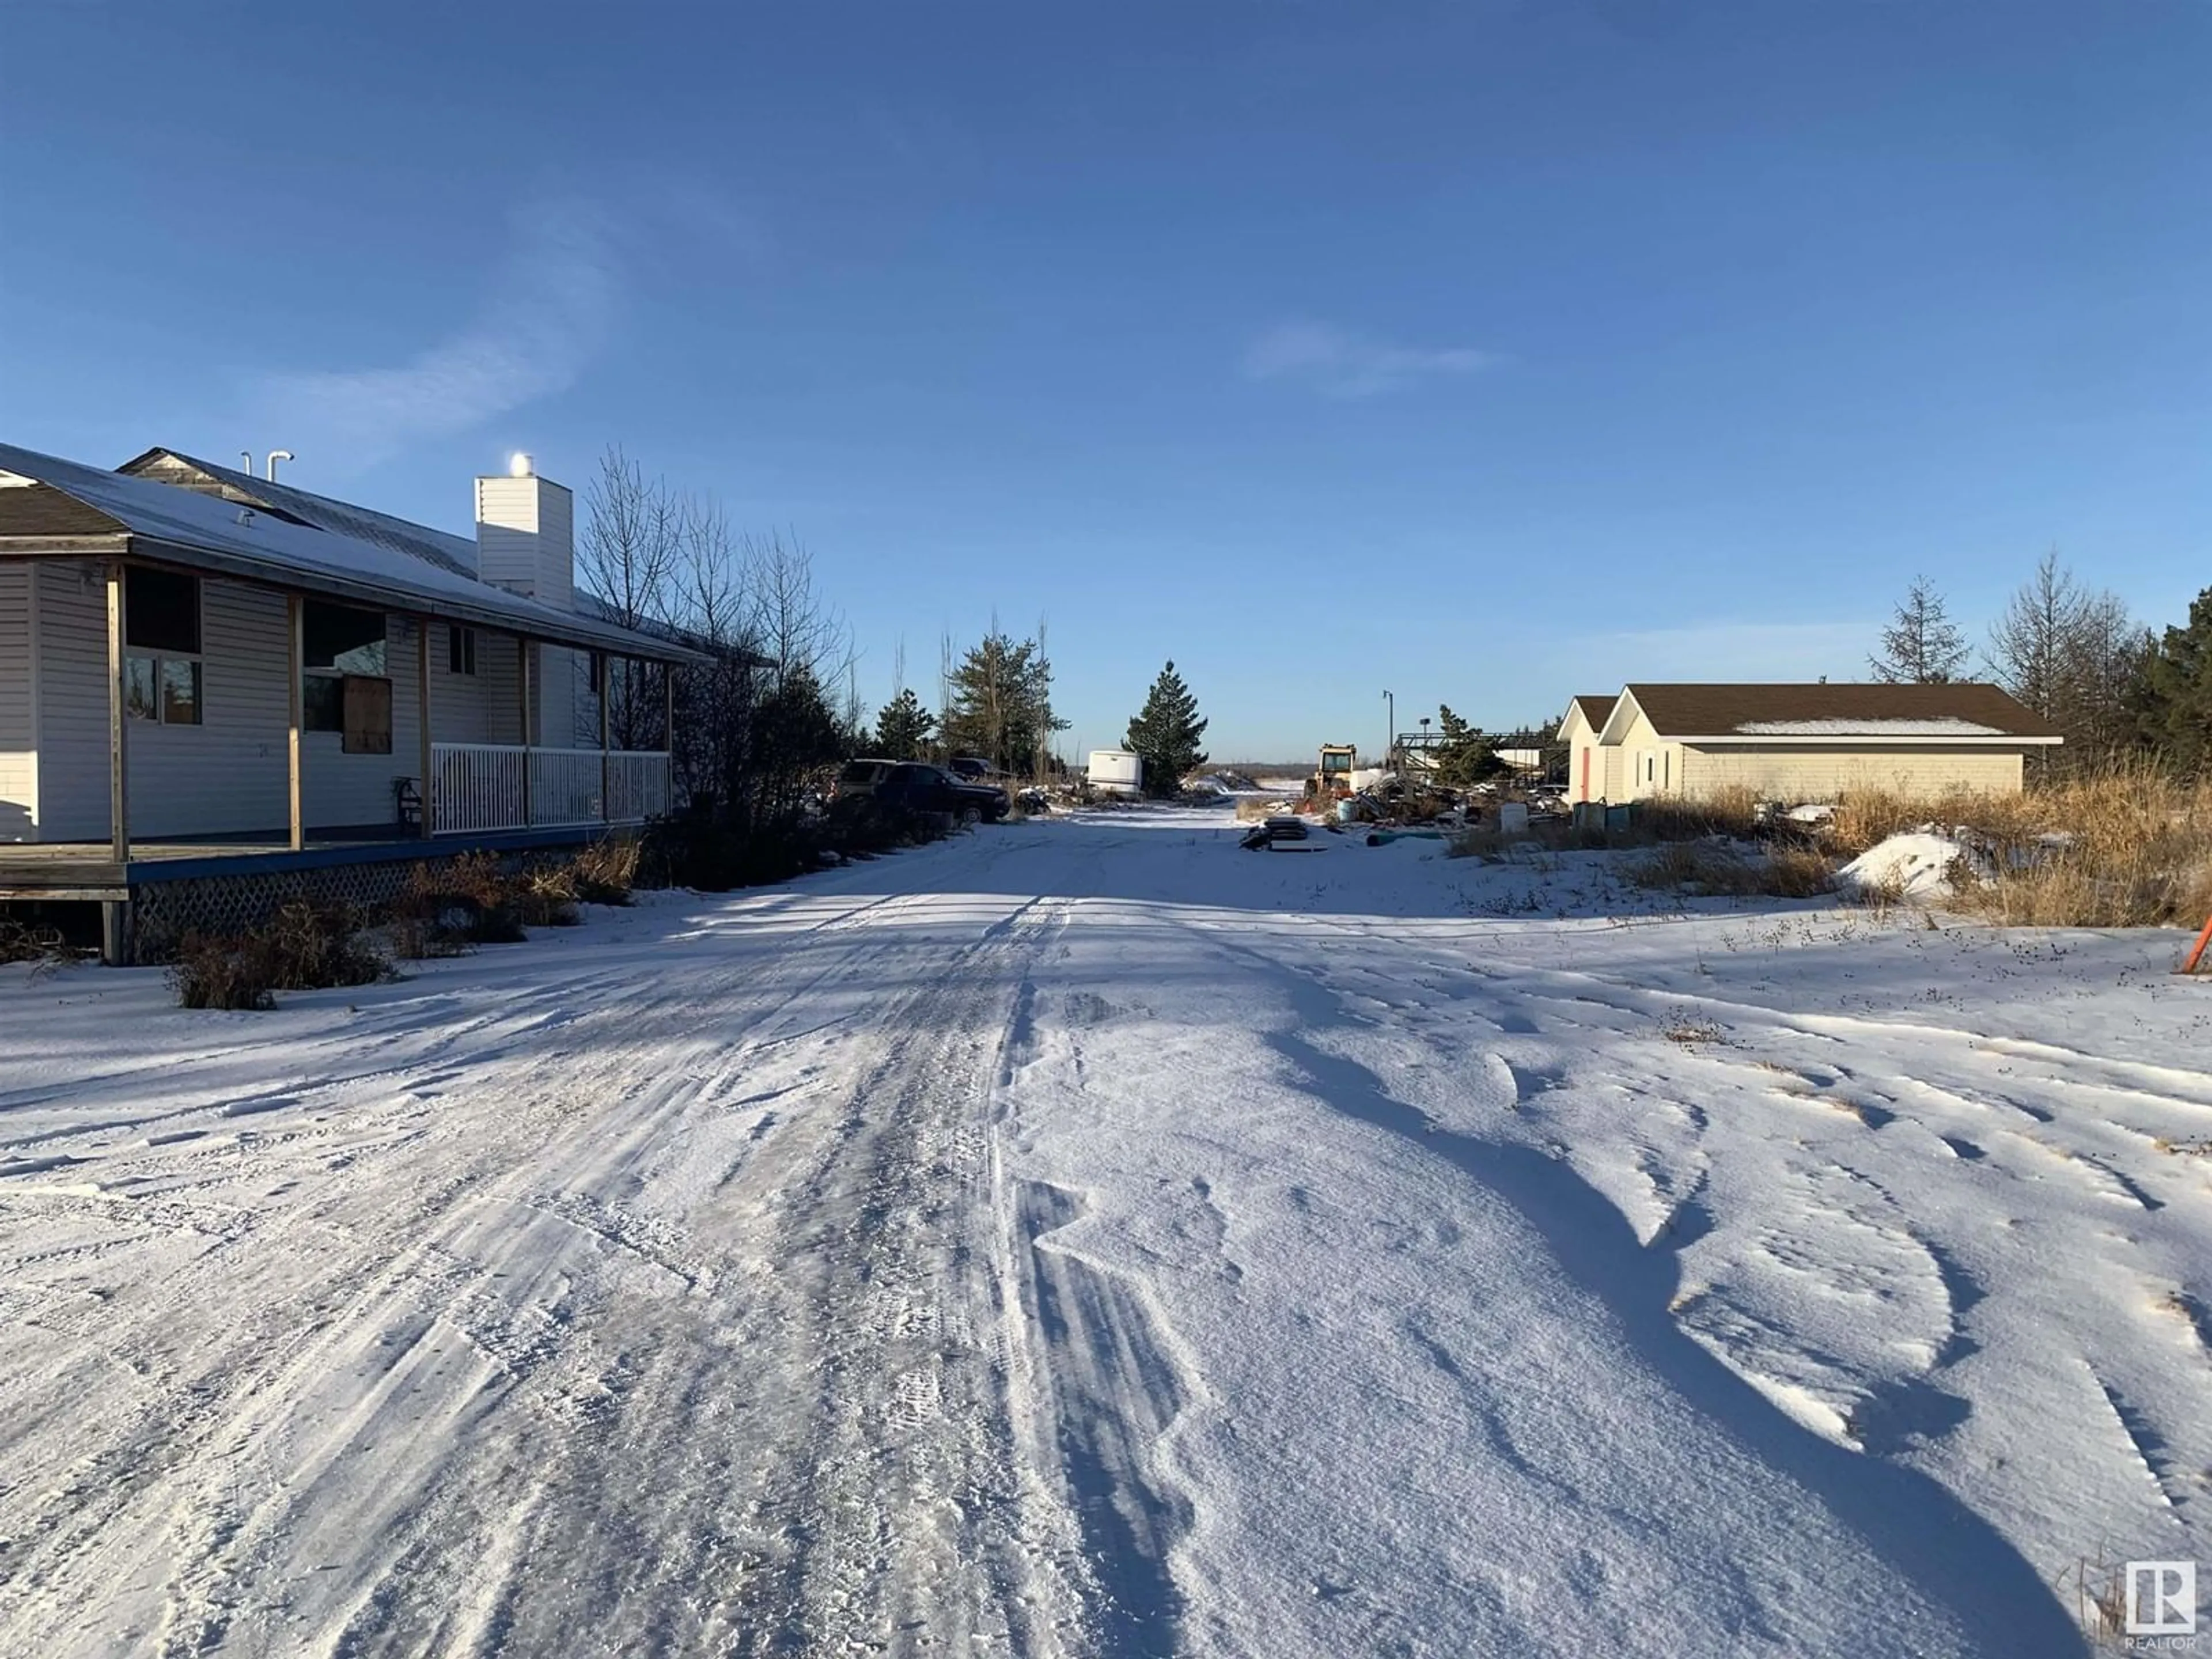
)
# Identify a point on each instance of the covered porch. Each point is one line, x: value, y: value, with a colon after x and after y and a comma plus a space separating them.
x: 199, y: 684
x: 278, y: 717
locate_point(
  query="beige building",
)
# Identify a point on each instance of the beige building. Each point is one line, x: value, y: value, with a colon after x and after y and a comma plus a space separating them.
x: 1798, y: 743
x: 1586, y: 779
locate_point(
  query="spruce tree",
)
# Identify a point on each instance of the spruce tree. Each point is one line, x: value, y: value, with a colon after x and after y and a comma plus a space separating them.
x: 904, y: 727
x: 1922, y: 645
x: 998, y: 704
x: 2171, y: 693
x: 1464, y: 756
x: 1164, y: 734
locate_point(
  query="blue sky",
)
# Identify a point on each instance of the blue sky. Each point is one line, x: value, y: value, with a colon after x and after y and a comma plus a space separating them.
x: 1480, y: 353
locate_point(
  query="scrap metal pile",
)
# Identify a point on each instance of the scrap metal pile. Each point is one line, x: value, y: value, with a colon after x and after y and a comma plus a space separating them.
x: 1390, y: 808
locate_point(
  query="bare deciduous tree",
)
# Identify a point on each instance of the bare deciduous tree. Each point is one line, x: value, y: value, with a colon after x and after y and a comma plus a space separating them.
x: 630, y: 558
x: 2069, y: 654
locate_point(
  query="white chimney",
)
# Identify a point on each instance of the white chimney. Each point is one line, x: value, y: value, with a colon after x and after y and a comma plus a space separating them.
x: 526, y: 543
x: 526, y: 537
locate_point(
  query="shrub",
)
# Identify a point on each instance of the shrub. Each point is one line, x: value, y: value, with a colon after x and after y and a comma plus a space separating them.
x: 213, y: 971
x: 543, y: 896
x: 442, y: 912
x: 604, y: 871
x: 305, y: 947
x: 717, y: 857
x: 21, y: 941
x: 1718, y: 867
x: 1730, y: 811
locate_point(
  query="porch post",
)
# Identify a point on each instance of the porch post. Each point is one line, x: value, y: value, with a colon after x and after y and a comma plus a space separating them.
x: 522, y: 682
x: 119, y: 722
x: 115, y: 913
x: 296, y: 654
x: 606, y: 765
x: 668, y: 735
x: 422, y: 705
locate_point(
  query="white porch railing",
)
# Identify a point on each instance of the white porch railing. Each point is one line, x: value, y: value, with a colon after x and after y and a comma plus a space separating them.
x: 503, y: 786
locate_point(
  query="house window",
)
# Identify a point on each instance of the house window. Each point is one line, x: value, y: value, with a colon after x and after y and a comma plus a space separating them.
x: 161, y: 639
x: 336, y: 641
x: 460, y: 649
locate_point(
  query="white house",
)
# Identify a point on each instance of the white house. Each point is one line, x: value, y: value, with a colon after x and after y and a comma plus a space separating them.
x: 187, y: 652
x: 1799, y: 743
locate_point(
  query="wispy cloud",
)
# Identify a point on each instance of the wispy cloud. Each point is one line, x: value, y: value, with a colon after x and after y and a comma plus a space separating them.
x: 1342, y: 363
x: 546, y: 314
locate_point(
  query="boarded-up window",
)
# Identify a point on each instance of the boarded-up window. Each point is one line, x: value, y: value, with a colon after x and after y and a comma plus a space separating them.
x: 367, y: 715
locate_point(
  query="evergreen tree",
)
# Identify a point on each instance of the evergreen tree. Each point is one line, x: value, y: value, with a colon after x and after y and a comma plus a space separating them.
x: 795, y: 733
x: 904, y: 728
x: 998, y: 704
x: 1922, y: 644
x: 1464, y: 756
x: 2170, y: 695
x: 1164, y: 734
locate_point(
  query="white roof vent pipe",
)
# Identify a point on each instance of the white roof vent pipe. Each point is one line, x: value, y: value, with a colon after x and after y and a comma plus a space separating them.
x: 275, y: 456
x: 246, y: 462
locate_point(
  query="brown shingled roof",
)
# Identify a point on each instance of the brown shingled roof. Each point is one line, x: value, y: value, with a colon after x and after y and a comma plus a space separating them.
x: 41, y: 511
x: 1596, y: 707
x: 1712, y: 711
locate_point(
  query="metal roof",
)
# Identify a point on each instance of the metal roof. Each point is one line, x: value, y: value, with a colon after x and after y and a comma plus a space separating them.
x: 184, y: 527
x: 438, y: 547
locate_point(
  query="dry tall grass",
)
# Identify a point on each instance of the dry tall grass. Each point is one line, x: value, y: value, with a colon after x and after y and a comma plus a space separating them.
x: 1783, y: 870
x: 2129, y: 848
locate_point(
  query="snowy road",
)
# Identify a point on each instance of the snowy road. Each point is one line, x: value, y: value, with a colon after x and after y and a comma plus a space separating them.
x: 1090, y: 1239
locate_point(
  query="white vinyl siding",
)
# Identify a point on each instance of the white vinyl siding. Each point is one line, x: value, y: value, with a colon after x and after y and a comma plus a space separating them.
x: 19, y: 744
x: 484, y: 707
x: 525, y: 536
x: 1778, y: 772
x: 228, y: 774
x: 72, y: 671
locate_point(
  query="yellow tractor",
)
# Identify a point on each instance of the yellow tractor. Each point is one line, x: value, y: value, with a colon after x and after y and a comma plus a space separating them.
x: 1338, y: 762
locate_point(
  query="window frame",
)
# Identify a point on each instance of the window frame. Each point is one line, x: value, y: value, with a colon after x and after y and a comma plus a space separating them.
x: 155, y: 708
x: 460, y: 651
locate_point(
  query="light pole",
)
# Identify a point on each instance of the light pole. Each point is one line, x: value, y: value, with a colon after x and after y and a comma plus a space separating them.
x: 1390, y: 736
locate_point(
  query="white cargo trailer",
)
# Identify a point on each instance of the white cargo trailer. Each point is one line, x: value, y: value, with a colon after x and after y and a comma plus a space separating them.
x: 1116, y: 772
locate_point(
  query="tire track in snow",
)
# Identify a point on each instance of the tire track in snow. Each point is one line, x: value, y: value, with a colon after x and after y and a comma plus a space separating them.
x: 211, y: 1471
x: 900, y: 1518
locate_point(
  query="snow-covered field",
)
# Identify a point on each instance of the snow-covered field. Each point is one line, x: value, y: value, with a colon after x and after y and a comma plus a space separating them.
x: 1086, y: 1237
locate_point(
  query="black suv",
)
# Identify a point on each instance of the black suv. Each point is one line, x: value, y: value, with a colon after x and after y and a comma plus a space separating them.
x: 915, y: 787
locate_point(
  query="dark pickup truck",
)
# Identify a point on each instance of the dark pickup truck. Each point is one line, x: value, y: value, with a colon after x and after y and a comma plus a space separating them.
x: 914, y: 786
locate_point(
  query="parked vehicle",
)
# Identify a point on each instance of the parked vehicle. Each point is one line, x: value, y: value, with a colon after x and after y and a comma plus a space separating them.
x: 861, y: 777
x: 912, y: 786
x: 1116, y: 772
x: 972, y: 768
